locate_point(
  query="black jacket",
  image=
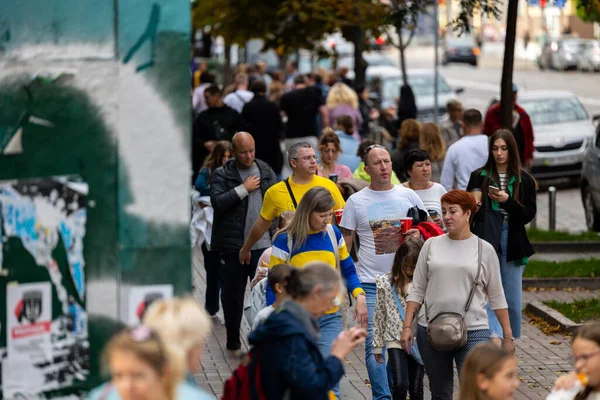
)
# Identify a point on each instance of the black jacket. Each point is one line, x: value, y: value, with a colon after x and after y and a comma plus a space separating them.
x: 261, y: 118
x: 230, y: 212
x: 520, y: 213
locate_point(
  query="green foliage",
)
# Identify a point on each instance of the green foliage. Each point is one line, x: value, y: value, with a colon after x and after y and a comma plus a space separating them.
x: 582, y: 268
x: 588, y: 10
x: 540, y: 235
x: 488, y: 8
x: 578, y: 311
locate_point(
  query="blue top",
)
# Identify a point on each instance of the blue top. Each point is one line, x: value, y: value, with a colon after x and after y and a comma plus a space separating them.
x: 202, y: 185
x: 349, y: 147
x: 186, y: 391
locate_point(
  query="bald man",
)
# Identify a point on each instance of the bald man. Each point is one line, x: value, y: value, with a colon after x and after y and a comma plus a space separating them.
x: 236, y: 193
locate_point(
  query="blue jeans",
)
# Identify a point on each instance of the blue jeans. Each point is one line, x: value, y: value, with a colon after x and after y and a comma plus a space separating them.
x: 330, y: 326
x: 439, y: 365
x: 512, y: 282
x: 377, y: 372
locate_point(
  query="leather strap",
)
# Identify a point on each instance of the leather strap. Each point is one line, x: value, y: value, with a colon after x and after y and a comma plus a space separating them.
x: 476, y: 283
x: 289, y: 188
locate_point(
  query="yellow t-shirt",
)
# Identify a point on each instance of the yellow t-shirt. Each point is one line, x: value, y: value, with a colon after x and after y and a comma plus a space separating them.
x: 277, y: 198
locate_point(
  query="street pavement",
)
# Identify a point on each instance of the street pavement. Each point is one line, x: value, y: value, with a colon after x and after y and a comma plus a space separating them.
x: 541, y: 357
x: 482, y: 83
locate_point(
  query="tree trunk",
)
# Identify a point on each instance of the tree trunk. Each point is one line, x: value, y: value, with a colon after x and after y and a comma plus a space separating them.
x: 356, y: 35
x: 506, y: 101
x: 227, y: 73
x: 402, y: 61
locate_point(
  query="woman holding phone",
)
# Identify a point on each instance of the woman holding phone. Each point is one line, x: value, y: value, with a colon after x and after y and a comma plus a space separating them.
x: 512, y: 191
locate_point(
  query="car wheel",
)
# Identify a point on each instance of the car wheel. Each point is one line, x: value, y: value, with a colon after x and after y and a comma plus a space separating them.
x: 592, y: 216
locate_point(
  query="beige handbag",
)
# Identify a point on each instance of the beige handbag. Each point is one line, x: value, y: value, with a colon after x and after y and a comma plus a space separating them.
x: 448, y: 330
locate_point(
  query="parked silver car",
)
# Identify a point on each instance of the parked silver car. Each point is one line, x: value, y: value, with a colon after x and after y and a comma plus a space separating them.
x: 590, y: 184
x: 562, y: 132
x: 561, y: 54
x: 385, y: 83
x: 589, y: 59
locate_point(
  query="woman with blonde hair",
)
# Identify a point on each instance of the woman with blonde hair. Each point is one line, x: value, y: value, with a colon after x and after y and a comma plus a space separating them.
x: 275, y: 91
x: 342, y: 100
x: 183, y: 323
x: 410, y: 135
x: 432, y: 142
x: 145, y: 366
x: 310, y: 237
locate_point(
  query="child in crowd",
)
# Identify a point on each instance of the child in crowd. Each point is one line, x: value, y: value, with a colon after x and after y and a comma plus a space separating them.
x: 489, y: 372
x: 407, y: 372
x: 276, y: 279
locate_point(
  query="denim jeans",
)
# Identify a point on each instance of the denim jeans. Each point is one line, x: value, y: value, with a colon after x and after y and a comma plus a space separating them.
x: 330, y: 326
x: 377, y: 372
x: 439, y: 365
x: 512, y: 282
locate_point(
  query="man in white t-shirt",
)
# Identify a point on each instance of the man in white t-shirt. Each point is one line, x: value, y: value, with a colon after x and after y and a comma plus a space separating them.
x: 238, y: 99
x: 373, y: 214
x: 467, y: 154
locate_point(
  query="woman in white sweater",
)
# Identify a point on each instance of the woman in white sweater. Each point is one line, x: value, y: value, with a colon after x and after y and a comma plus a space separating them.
x: 444, y: 277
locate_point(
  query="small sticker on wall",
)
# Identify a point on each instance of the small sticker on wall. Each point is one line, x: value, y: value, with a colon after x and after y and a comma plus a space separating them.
x: 139, y: 299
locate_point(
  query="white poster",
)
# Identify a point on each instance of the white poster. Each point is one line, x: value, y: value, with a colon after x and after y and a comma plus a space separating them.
x: 139, y: 298
x: 29, y: 321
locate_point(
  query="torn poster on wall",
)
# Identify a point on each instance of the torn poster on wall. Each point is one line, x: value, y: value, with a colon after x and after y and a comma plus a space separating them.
x: 137, y: 300
x: 48, y: 345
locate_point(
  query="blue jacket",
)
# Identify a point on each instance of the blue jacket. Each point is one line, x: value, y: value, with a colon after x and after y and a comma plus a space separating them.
x: 290, y: 358
x: 202, y: 184
x: 349, y: 147
x: 186, y: 391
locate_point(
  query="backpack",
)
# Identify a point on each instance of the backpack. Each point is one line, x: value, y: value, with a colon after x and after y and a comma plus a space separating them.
x: 245, y: 382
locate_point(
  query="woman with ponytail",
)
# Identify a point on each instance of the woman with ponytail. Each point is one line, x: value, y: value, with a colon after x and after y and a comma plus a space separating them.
x: 287, y: 342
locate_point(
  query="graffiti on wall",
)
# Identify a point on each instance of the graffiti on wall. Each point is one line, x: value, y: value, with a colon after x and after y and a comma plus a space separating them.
x: 48, y: 347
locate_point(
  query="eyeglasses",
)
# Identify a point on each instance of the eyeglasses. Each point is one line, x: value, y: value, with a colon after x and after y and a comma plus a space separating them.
x: 585, y: 357
x: 307, y: 158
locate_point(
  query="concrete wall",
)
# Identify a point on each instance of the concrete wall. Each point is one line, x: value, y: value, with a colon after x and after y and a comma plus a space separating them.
x: 104, y: 87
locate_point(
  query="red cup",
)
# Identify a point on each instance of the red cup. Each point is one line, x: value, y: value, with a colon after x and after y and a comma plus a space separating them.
x: 406, y: 224
x: 338, y: 215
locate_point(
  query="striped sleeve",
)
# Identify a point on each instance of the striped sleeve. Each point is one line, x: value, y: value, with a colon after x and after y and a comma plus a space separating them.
x: 280, y: 254
x: 347, y: 268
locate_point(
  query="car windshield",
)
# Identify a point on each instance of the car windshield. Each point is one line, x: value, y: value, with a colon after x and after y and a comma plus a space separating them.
x: 461, y: 42
x: 554, y: 111
x: 373, y: 60
x: 572, y: 45
x: 422, y: 85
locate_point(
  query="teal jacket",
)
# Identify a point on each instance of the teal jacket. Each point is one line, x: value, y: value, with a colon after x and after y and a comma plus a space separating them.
x: 186, y: 391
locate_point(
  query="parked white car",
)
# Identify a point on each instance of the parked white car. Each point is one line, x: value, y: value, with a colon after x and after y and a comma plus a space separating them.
x: 562, y: 132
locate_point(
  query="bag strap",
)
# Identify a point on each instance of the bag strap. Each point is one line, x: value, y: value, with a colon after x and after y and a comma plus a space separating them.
x: 476, y: 283
x: 398, y: 303
x: 334, y: 242
x: 289, y: 188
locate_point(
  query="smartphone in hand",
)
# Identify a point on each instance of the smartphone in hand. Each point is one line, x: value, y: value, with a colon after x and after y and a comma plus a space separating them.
x: 493, y: 188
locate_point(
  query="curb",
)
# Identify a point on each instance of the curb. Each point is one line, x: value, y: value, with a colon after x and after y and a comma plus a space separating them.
x: 552, y: 316
x: 566, y: 247
x: 562, y: 283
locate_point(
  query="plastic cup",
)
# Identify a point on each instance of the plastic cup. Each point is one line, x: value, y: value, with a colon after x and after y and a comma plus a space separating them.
x: 338, y: 215
x: 406, y: 224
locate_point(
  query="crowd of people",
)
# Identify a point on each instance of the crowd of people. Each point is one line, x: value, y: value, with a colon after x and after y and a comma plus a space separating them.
x: 414, y: 245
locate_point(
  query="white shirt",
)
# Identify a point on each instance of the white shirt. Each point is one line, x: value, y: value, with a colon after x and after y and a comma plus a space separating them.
x: 262, y: 316
x: 431, y: 197
x: 463, y: 157
x: 198, y: 102
x: 374, y: 216
x: 238, y: 99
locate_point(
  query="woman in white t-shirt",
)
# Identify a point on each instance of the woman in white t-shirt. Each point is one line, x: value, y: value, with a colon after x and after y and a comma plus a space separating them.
x: 418, y: 167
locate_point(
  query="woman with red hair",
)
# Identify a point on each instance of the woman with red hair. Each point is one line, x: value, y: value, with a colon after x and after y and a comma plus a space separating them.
x: 452, y: 269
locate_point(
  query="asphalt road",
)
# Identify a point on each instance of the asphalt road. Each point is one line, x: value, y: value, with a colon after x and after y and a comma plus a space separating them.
x: 482, y: 83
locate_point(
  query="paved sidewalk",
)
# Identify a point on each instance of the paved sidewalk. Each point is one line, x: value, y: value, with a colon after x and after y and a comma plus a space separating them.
x: 541, y: 358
